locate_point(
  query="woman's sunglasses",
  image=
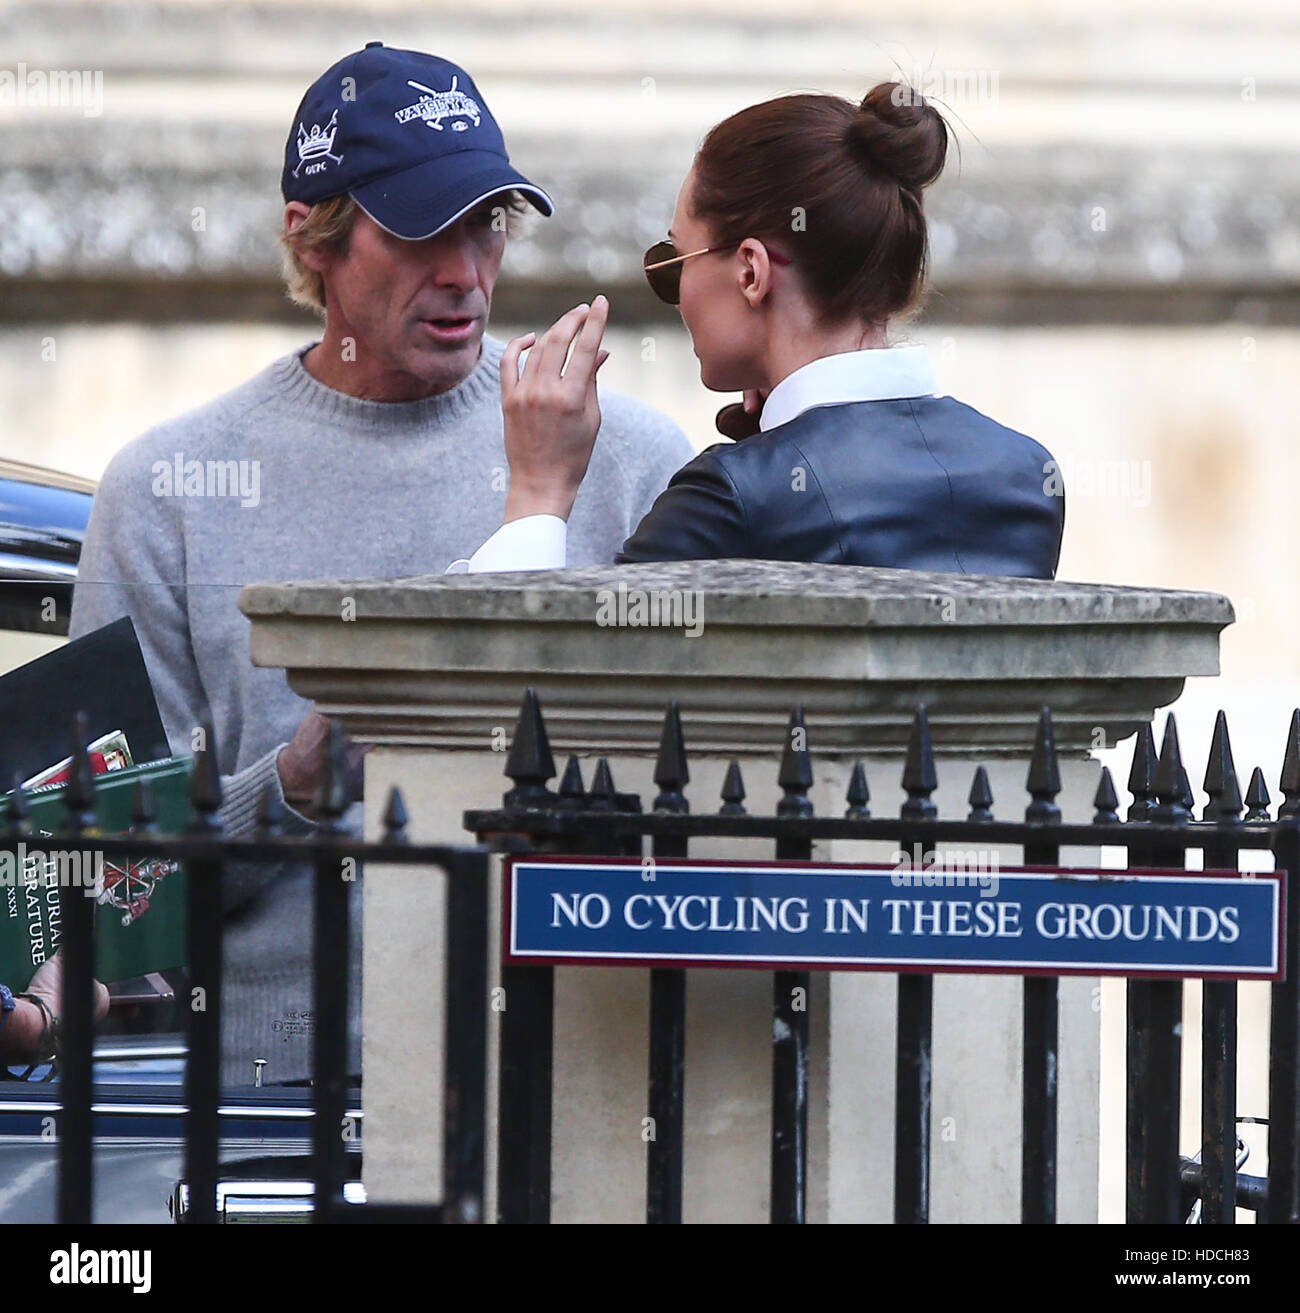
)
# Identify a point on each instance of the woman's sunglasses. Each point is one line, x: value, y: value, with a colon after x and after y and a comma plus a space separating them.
x: 663, y: 267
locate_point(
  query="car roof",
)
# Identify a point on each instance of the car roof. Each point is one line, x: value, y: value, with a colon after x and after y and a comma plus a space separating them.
x: 22, y: 472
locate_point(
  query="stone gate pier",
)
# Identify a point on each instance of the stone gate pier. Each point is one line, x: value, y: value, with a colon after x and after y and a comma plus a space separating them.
x: 431, y: 671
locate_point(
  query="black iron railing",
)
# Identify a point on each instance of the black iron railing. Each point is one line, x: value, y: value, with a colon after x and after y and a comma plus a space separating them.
x: 1159, y: 831
x: 337, y: 857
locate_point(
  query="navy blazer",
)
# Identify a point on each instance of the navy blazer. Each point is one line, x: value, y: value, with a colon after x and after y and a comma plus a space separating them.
x: 919, y: 483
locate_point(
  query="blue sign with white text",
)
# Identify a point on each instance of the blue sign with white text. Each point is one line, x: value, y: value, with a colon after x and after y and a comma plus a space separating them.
x: 938, y: 917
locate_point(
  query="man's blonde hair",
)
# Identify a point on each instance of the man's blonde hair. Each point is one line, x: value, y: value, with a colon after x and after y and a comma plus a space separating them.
x: 328, y: 226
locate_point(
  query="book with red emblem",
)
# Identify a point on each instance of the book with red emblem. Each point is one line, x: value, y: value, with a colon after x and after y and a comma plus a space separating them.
x: 140, y: 912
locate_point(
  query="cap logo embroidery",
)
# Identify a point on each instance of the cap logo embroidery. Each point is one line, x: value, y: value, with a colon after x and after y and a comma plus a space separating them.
x: 434, y: 106
x: 317, y: 146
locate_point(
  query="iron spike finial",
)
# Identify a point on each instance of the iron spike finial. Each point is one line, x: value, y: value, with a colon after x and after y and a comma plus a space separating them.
x: 1142, y: 775
x: 733, y: 791
x: 1171, y: 778
x: 1223, y: 793
x: 529, y: 763
x: 795, y: 775
x: 395, y: 817
x: 858, y: 795
x: 1257, y: 798
x: 919, y: 776
x: 79, y: 793
x: 1044, y: 780
x: 671, y: 769
x: 205, y: 781
x: 602, y: 796
x: 1106, y: 800
x: 572, y: 791
x: 1044, y: 770
x: 980, y: 797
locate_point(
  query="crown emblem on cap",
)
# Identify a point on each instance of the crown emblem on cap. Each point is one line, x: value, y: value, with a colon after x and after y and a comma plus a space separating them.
x: 317, y: 145
x: 434, y: 106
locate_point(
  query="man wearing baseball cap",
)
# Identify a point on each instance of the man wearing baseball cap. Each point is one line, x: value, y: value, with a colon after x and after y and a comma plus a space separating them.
x: 376, y: 451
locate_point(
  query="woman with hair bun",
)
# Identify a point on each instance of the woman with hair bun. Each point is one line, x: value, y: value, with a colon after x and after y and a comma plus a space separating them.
x: 798, y: 239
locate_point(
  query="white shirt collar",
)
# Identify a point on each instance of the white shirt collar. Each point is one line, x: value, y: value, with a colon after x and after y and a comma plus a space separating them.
x: 878, y: 374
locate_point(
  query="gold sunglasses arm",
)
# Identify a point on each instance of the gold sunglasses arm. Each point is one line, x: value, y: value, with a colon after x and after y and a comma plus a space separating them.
x: 677, y: 259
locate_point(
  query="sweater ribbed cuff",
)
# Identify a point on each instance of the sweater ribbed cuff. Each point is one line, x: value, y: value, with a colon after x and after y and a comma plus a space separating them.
x: 242, y: 794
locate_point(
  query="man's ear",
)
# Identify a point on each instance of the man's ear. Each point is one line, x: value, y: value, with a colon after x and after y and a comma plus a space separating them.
x: 755, y: 271
x: 295, y: 213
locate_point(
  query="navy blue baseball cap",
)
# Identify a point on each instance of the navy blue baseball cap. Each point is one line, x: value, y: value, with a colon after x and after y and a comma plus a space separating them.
x: 406, y: 135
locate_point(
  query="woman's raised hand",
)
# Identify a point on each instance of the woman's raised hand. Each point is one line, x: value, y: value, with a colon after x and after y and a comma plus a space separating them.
x: 551, y: 413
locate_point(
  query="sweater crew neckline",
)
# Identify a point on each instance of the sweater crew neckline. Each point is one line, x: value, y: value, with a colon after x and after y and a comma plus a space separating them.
x: 308, y: 395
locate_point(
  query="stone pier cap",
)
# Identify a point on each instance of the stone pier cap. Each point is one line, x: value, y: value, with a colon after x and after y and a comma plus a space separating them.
x: 442, y: 660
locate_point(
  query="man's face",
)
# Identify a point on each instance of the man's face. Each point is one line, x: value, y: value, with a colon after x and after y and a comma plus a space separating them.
x: 415, y: 310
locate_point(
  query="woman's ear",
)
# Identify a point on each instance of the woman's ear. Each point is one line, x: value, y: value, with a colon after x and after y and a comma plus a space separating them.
x: 755, y: 271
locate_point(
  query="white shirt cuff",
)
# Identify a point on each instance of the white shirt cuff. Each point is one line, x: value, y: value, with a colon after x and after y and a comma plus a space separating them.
x: 535, y: 542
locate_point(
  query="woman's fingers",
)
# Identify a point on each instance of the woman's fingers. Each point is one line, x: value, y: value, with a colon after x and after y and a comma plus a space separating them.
x: 546, y: 361
x: 510, y: 361
x: 568, y: 348
x: 582, y: 364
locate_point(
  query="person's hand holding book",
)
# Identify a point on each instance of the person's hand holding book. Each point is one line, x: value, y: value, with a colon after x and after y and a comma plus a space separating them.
x: 29, y: 1032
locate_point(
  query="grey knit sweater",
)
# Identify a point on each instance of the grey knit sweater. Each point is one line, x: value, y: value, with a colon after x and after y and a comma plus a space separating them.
x: 325, y: 486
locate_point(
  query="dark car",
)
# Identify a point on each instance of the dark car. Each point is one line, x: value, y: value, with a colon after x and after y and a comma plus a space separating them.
x: 43, y: 517
x: 139, y: 1142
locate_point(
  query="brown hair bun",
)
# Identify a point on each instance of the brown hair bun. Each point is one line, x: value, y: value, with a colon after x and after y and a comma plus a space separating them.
x: 899, y: 133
